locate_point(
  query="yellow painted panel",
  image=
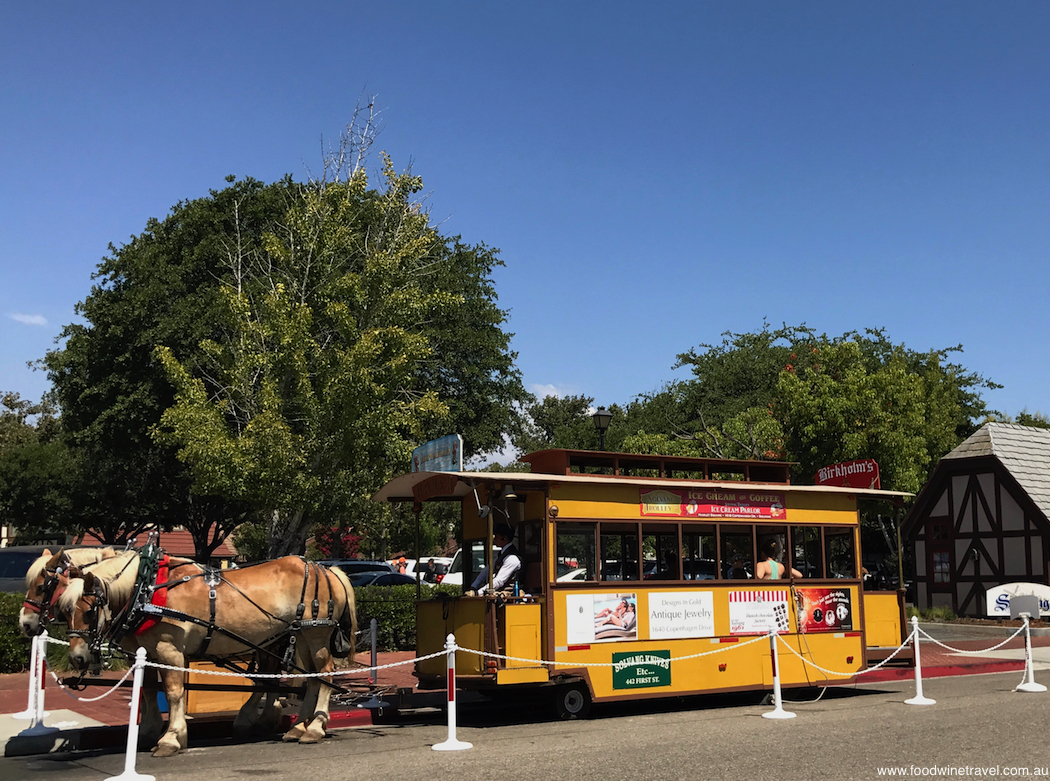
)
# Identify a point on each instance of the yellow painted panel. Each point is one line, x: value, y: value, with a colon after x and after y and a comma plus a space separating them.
x: 620, y: 502
x: 198, y: 701
x: 435, y: 619
x: 522, y: 632
x: 522, y: 675
x: 882, y: 620
x: 718, y: 662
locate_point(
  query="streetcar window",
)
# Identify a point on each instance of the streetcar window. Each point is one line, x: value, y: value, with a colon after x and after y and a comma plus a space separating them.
x: 841, y: 555
x: 805, y: 550
x: 661, y: 560
x: 576, y: 560
x: 772, y: 542
x: 737, y: 554
x: 619, y: 552
x: 699, y: 555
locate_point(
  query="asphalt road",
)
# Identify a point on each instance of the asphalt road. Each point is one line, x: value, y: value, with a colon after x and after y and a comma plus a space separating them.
x: 977, y: 722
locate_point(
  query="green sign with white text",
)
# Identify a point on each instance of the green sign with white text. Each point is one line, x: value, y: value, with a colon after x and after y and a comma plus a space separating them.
x: 641, y: 670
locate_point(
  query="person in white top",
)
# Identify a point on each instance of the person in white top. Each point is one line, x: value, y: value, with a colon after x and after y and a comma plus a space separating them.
x: 507, y: 564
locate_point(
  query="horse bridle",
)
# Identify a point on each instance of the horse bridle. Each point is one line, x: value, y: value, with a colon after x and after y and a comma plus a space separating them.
x: 49, y: 593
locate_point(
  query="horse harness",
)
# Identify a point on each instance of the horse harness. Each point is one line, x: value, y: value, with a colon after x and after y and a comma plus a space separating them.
x: 142, y: 609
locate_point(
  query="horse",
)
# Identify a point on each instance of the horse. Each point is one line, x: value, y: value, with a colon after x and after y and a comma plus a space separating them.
x: 210, y: 614
x: 46, y: 580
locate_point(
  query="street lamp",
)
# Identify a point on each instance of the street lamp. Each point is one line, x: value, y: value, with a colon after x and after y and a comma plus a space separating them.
x: 601, y: 419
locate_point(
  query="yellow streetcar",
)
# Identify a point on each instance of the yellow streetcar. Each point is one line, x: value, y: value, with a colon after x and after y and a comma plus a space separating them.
x: 653, y: 576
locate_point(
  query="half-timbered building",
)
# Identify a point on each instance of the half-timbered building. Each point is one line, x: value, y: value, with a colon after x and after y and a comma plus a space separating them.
x: 982, y: 519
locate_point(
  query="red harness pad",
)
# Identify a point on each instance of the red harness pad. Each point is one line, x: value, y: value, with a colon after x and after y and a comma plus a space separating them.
x: 160, y: 596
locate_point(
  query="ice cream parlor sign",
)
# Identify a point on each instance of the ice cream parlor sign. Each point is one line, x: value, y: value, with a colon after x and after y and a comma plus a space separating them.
x: 713, y: 503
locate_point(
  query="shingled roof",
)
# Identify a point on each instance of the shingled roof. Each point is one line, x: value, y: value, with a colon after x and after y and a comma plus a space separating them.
x: 1024, y: 452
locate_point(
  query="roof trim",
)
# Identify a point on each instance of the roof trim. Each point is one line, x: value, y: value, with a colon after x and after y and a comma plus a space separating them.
x: 400, y: 488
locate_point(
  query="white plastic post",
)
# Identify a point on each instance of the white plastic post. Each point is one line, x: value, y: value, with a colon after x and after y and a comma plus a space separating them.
x: 36, y: 720
x: 919, y: 698
x: 451, y: 744
x: 41, y: 660
x: 778, y: 711
x: 374, y: 627
x: 1029, y: 684
x: 130, y: 774
x: 34, y: 685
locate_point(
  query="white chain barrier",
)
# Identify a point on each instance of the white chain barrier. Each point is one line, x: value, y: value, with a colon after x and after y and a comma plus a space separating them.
x: 543, y: 663
x: 39, y: 660
x: 935, y: 641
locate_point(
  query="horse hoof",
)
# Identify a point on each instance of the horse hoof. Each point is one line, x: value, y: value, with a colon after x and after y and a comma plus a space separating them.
x: 294, y: 734
x: 164, y: 750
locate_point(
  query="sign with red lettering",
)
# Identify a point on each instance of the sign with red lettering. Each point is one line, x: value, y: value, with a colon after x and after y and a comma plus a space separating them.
x: 863, y: 473
x: 713, y: 503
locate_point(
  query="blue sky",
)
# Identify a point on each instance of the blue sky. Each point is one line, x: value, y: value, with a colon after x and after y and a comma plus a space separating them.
x: 653, y: 174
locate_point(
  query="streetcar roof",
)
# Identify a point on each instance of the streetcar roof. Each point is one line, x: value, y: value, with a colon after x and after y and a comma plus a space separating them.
x: 400, y: 489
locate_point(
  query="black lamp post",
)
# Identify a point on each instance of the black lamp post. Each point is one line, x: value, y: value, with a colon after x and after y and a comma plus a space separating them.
x: 601, y: 418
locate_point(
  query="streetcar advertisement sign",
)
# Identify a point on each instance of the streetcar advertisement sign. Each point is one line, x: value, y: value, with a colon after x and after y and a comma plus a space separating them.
x: 758, y: 612
x: 713, y: 503
x: 677, y: 614
x: 825, y: 609
x: 641, y: 669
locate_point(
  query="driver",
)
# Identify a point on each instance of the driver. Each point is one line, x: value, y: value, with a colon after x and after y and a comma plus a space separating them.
x: 507, y: 564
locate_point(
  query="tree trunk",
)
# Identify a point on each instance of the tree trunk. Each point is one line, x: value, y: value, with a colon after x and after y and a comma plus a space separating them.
x: 288, y: 533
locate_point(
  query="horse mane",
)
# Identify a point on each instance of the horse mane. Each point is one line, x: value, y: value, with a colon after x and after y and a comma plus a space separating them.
x: 81, y: 557
x: 118, y: 573
x: 67, y: 602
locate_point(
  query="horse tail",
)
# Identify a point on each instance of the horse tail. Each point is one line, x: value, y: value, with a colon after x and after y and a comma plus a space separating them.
x: 348, y: 618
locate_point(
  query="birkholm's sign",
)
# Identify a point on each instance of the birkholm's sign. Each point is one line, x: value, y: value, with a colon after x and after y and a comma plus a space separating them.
x: 863, y: 473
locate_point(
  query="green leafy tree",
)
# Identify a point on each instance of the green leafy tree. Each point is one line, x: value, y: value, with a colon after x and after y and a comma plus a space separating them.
x: 566, y: 422
x: 159, y: 288
x: 324, y: 373
x: 833, y: 407
x: 36, y: 469
x: 790, y: 393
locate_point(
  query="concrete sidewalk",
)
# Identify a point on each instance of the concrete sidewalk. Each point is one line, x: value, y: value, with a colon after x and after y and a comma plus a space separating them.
x: 80, y: 720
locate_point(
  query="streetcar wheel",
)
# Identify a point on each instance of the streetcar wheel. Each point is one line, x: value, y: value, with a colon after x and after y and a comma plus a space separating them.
x: 572, y: 701
x: 386, y: 715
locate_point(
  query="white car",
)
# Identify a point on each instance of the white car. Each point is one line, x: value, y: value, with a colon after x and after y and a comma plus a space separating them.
x: 455, y: 568
x: 579, y: 573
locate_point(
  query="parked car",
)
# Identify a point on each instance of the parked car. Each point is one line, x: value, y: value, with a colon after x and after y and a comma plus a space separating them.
x: 14, y: 564
x: 350, y: 566
x: 455, y: 567
x: 435, y: 568
x: 359, y: 579
x: 577, y: 573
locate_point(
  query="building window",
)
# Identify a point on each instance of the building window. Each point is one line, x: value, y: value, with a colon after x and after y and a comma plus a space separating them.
x: 942, y: 572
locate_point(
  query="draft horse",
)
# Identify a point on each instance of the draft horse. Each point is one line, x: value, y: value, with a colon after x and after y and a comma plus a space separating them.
x: 287, y: 610
x: 47, y: 579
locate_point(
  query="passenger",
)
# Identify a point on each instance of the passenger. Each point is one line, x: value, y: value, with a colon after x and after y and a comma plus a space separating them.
x: 738, y: 570
x: 507, y: 564
x: 770, y: 568
x: 670, y: 568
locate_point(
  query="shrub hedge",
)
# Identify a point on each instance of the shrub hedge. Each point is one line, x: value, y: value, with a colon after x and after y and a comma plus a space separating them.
x: 394, y: 609
x: 14, y: 648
